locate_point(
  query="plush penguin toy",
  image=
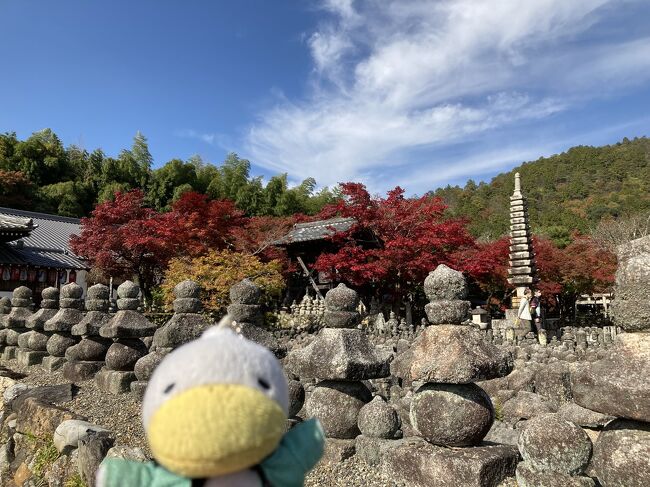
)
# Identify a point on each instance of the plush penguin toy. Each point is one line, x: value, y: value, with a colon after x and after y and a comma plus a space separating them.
x: 215, y: 414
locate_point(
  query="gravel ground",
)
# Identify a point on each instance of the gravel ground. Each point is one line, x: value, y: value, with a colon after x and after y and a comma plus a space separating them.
x: 121, y: 414
x: 118, y: 413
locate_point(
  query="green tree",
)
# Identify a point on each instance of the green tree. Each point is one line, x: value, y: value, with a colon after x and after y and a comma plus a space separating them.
x: 65, y: 198
x: 165, y: 181
x: 142, y: 157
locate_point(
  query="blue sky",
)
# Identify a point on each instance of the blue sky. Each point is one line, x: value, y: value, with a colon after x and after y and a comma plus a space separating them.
x: 415, y: 93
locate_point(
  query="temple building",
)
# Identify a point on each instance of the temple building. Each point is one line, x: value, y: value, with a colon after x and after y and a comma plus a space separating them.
x: 35, y: 252
x: 304, y: 243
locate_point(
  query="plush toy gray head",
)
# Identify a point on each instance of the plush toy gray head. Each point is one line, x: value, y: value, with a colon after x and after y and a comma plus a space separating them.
x: 215, y: 405
x: 220, y: 356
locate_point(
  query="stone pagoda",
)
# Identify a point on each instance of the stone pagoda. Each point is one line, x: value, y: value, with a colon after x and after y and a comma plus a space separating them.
x: 447, y: 408
x: 185, y: 325
x: 127, y: 328
x: 522, y: 271
x: 341, y: 357
x: 69, y: 314
x: 14, y: 322
x: 86, y: 358
x: 33, y: 344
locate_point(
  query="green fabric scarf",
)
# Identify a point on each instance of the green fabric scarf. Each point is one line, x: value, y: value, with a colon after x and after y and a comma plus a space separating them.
x: 298, y: 452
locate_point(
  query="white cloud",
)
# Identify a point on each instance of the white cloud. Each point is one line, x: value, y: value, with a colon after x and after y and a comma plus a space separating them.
x: 393, y: 76
x: 217, y: 139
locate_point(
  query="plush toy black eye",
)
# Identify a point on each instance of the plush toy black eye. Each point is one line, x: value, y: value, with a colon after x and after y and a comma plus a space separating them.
x: 169, y: 388
x: 264, y: 384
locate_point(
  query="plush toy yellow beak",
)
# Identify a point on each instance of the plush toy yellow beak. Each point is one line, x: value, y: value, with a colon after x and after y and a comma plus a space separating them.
x: 213, y: 430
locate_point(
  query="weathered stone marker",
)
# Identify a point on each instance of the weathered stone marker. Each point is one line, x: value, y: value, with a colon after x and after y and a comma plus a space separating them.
x: 21, y: 303
x: 86, y: 358
x: 185, y: 325
x: 33, y: 344
x: 341, y: 356
x: 70, y: 313
x: 126, y: 328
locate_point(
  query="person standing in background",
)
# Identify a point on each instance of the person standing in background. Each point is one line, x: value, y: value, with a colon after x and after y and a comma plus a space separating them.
x: 536, y: 311
x: 523, y: 314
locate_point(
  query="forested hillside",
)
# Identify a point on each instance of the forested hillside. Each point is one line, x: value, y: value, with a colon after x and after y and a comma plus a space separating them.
x: 571, y: 191
x: 40, y: 174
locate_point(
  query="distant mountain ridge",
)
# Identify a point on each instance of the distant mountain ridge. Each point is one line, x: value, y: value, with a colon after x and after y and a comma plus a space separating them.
x: 567, y: 192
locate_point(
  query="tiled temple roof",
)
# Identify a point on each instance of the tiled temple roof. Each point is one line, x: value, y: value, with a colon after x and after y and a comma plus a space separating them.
x: 318, y: 230
x: 44, y: 239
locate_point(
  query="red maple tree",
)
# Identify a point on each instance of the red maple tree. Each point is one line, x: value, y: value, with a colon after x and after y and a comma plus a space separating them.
x: 196, y: 224
x: 394, y: 243
x: 581, y: 267
x: 258, y: 236
x: 124, y: 238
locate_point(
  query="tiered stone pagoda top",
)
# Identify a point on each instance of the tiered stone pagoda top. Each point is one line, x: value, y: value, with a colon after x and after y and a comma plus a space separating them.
x: 522, y: 270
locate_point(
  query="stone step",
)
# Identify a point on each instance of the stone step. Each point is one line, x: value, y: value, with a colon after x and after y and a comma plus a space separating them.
x: 520, y: 271
x: 416, y: 463
x: 519, y: 226
x: 515, y: 280
x: 521, y: 263
x: 520, y: 255
x: 517, y: 214
x: 519, y: 240
x: 517, y: 220
x: 519, y: 233
x: 524, y: 247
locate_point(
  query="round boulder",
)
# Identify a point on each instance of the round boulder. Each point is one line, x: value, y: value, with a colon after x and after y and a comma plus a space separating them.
x: 124, y: 353
x: 337, y: 404
x: 622, y: 454
x: 378, y: 419
x: 5, y: 305
x: 128, y: 289
x: 57, y: 344
x: 38, y: 341
x: 245, y: 292
x: 187, y: 289
x: 51, y: 293
x: 71, y: 291
x: 22, y: 292
x: 452, y: 414
x: 550, y: 443
x: 98, y: 291
x: 341, y: 298
x: 445, y: 283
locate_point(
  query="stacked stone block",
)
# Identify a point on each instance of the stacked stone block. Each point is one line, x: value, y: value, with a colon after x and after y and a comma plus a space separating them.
x: 246, y: 311
x: 69, y: 314
x: 447, y: 292
x: 448, y: 409
x: 341, y: 357
x: 86, y: 358
x: 21, y: 310
x: 5, y: 309
x: 127, y: 328
x: 33, y: 344
x: 185, y: 325
x: 618, y: 385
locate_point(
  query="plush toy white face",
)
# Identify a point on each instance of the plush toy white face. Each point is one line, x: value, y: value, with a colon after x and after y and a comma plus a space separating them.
x: 215, y: 405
